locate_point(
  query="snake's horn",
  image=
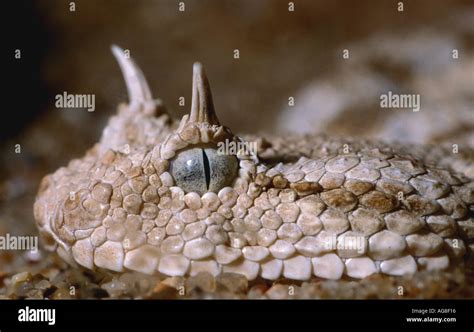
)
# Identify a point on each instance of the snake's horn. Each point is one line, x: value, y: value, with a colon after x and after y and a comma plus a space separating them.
x: 202, y: 107
x: 138, y: 89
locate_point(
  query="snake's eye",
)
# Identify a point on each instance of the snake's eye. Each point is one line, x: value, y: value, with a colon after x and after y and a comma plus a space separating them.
x: 202, y: 169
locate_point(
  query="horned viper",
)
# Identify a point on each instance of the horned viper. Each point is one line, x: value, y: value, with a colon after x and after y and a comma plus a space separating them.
x: 159, y: 196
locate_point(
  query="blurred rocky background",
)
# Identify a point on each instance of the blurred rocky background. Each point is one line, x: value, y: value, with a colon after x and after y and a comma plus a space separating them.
x: 283, y: 54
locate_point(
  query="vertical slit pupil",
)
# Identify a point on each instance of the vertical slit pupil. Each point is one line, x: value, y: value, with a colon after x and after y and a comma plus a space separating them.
x: 207, y: 168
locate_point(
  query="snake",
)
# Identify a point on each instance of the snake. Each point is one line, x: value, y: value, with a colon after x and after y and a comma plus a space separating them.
x: 169, y: 197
